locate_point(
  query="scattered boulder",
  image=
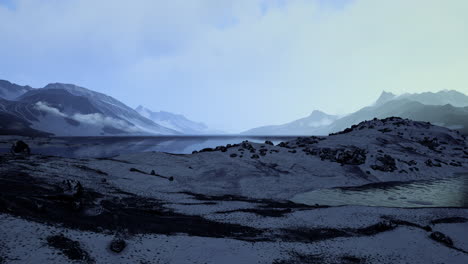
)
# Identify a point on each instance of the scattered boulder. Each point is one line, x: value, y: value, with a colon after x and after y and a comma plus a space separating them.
x: 441, y: 238
x: 268, y: 142
x: 221, y: 148
x: 431, y: 163
x: 71, y: 188
x: 430, y: 143
x: 351, y: 155
x: 283, y: 145
x: 20, y: 147
x: 385, y: 163
x: 255, y: 156
x: 233, y: 155
x: 117, y: 245
x: 263, y: 151
x: 207, y: 150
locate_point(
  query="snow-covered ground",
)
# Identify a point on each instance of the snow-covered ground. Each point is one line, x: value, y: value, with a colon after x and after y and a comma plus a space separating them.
x: 232, y: 204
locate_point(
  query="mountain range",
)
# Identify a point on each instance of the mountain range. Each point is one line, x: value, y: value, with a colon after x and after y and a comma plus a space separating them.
x: 176, y: 122
x: 310, y: 125
x: 69, y: 110
x: 444, y: 108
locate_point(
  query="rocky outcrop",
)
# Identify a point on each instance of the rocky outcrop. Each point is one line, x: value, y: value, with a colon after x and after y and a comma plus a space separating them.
x: 385, y: 163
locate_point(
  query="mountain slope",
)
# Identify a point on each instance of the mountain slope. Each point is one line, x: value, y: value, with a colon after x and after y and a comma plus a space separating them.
x: 443, y: 115
x: 69, y: 110
x: 11, y: 91
x: 451, y: 97
x: 176, y: 122
x: 311, y: 125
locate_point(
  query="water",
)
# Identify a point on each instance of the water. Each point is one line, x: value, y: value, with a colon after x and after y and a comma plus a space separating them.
x: 91, y: 147
x: 448, y: 192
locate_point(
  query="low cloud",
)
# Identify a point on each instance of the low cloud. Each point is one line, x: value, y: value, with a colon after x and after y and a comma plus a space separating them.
x: 95, y: 119
x: 44, y: 107
x: 101, y: 120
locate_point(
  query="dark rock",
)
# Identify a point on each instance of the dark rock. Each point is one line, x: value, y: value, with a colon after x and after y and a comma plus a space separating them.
x: 263, y: 151
x: 432, y: 144
x: 70, y: 248
x: 385, y: 163
x: 171, y: 178
x: 430, y: 163
x: 441, y: 238
x: 207, y: 150
x: 72, y: 188
x: 117, y: 245
x: 221, y: 148
x: 233, y: 155
x: 351, y: 155
x: 255, y: 156
x: 268, y: 142
x: 20, y: 147
x: 283, y: 145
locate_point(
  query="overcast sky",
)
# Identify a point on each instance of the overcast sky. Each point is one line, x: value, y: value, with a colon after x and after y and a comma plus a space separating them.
x: 237, y: 64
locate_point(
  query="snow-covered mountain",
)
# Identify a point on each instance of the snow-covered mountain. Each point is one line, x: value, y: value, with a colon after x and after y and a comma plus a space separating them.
x: 70, y: 110
x: 176, y: 122
x: 11, y: 91
x: 445, y: 108
x: 314, y: 124
x: 444, y: 97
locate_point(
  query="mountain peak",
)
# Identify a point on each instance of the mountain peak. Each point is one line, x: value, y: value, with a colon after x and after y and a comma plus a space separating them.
x: 385, y: 97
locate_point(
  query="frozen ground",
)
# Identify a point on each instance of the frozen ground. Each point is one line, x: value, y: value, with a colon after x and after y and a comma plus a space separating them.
x: 232, y: 204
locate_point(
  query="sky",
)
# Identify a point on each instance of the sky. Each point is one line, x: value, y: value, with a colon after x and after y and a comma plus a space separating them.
x: 238, y: 64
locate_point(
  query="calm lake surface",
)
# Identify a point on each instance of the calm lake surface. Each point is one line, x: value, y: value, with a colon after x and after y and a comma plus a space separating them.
x: 93, y: 147
x: 448, y: 192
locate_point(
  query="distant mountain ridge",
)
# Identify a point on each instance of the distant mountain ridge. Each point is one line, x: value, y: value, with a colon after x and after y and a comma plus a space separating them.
x: 176, y: 122
x: 444, y: 97
x: 11, y: 91
x: 446, y: 108
x: 312, y: 124
x: 70, y: 110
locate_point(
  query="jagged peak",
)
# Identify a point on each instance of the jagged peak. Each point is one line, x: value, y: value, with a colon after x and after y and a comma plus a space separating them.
x: 385, y: 97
